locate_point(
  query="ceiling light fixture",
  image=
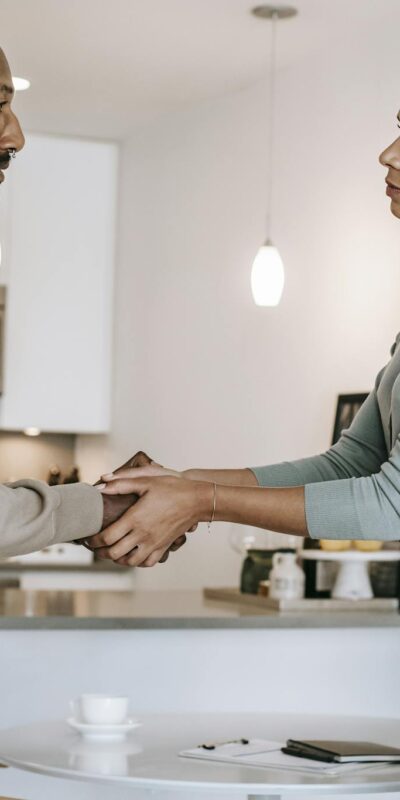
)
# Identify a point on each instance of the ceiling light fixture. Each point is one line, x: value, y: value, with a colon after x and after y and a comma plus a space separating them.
x: 21, y: 84
x: 267, y: 274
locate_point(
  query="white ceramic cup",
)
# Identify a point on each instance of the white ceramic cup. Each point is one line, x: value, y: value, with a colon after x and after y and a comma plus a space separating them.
x: 100, y: 709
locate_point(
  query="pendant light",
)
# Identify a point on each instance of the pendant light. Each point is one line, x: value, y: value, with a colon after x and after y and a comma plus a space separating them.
x: 267, y: 274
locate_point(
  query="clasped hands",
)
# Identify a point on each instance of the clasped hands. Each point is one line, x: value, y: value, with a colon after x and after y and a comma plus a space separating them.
x: 148, y: 510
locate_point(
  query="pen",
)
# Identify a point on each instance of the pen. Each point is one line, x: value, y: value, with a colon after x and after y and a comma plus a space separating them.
x: 218, y: 744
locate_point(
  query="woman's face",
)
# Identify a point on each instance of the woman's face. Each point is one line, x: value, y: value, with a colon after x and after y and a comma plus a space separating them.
x: 390, y: 158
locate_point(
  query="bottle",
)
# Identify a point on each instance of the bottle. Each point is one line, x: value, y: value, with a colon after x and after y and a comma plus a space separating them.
x: 287, y: 578
x: 73, y: 476
x: 320, y: 575
x: 54, y: 476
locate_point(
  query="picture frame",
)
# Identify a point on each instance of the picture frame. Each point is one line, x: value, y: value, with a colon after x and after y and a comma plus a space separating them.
x: 348, y: 405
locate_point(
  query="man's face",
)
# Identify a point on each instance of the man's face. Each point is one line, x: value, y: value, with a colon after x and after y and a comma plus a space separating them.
x: 11, y: 136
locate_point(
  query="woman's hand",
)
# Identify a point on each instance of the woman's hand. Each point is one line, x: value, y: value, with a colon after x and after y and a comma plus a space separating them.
x: 167, y: 507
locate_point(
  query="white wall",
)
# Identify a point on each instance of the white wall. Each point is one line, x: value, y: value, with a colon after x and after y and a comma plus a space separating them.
x: 202, y: 376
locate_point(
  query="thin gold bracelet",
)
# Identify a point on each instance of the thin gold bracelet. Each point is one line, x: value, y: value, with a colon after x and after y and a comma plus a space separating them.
x: 213, y: 511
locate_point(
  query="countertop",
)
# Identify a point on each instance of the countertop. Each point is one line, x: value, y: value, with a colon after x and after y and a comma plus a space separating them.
x: 7, y: 567
x: 141, y: 610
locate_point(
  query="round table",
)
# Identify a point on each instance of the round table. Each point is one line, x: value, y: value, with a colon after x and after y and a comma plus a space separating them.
x: 352, y: 580
x: 149, y: 759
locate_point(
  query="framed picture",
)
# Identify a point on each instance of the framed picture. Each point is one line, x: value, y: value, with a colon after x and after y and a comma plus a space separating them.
x: 347, y: 407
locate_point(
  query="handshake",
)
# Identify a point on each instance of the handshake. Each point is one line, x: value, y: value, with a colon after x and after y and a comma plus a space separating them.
x: 147, y: 512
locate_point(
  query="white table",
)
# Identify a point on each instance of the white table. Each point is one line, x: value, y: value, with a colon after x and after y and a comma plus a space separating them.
x: 352, y: 581
x: 148, y: 758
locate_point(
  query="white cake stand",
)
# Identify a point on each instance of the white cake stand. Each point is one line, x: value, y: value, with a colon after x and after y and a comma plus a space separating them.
x: 352, y: 580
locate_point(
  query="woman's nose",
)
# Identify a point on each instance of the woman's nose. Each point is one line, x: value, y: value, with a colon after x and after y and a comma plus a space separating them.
x: 391, y: 156
x: 12, y: 137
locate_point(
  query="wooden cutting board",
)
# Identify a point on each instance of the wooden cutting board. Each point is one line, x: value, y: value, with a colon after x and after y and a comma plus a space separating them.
x: 235, y: 596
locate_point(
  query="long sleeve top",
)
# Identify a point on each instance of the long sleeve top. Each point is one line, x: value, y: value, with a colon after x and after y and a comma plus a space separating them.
x: 353, y: 490
x: 34, y: 515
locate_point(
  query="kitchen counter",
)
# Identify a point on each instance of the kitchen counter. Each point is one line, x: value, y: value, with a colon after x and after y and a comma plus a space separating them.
x: 7, y: 567
x: 141, y: 610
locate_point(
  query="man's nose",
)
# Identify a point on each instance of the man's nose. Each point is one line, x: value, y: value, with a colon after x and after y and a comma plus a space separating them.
x: 12, y: 137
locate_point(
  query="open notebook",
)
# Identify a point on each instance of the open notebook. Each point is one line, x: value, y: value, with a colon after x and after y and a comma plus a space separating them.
x: 263, y: 753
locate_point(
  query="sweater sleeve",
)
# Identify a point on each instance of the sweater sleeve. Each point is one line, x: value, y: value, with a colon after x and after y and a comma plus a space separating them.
x: 357, y: 508
x: 360, y: 451
x: 34, y: 515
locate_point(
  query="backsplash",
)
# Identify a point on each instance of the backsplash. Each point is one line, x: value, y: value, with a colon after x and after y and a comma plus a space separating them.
x: 24, y: 456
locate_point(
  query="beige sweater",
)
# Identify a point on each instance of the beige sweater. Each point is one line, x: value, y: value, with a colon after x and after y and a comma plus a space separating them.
x: 34, y: 515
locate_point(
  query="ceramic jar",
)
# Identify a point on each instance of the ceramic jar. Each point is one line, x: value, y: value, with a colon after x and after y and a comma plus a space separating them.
x: 287, y: 579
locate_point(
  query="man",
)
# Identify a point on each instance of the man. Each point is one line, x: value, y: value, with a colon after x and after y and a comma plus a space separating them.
x: 32, y: 514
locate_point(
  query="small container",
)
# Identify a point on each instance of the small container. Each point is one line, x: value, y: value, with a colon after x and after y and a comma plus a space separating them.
x: 367, y: 545
x: 287, y: 579
x: 263, y: 588
x: 335, y: 544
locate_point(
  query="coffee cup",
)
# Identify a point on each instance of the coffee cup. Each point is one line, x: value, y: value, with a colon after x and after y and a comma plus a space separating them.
x: 100, y: 709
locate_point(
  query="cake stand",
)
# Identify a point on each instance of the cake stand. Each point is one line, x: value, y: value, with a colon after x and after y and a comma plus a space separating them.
x: 352, y: 580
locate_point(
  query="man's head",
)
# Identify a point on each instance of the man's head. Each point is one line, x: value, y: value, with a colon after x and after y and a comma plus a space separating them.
x: 11, y: 136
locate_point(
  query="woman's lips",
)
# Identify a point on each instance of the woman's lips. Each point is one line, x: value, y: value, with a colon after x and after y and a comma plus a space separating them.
x: 392, y: 190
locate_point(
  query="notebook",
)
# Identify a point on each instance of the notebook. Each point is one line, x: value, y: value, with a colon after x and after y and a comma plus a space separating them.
x: 341, y: 752
x: 267, y: 754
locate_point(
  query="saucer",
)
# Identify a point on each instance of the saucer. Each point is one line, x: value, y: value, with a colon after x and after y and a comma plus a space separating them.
x: 90, y: 731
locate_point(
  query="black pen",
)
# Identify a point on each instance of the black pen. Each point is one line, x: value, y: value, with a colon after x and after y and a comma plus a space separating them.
x: 219, y: 744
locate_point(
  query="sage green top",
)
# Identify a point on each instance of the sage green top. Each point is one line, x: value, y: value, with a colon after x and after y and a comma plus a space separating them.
x: 353, y: 490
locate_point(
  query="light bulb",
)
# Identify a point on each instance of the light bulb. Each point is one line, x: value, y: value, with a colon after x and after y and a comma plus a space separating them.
x: 20, y: 84
x: 267, y: 276
x: 32, y: 432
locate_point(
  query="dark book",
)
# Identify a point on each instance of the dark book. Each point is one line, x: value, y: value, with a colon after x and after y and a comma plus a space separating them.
x: 341, y: 752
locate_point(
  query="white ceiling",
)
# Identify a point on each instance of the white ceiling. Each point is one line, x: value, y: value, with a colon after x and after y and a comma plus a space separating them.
x: 102, y: 69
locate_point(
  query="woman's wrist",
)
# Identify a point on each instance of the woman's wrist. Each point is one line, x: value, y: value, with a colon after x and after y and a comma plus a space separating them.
x: 204, y: 500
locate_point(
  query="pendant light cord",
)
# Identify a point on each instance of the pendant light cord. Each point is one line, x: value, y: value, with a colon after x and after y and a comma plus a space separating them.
x: 272, y: 83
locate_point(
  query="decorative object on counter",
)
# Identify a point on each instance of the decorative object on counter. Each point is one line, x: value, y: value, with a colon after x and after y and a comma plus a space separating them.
x: 257, y: 567
x: 335, y: 545
x: 320, y: 575
x: 385, y: 578
x: 263, y: 588
x: 73, y: 476
x: 352, y: 580
x: 367, y: 545
x: 287, y: 579
x: 54, y: 476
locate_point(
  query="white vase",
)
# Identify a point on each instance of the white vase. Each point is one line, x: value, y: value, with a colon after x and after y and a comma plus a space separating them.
x: 287, y: 580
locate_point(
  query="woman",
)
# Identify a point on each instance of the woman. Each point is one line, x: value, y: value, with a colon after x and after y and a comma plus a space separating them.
x: 350, y: 492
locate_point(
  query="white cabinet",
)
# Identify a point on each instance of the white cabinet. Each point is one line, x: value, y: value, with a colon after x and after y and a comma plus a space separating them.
x: 58, y: 265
